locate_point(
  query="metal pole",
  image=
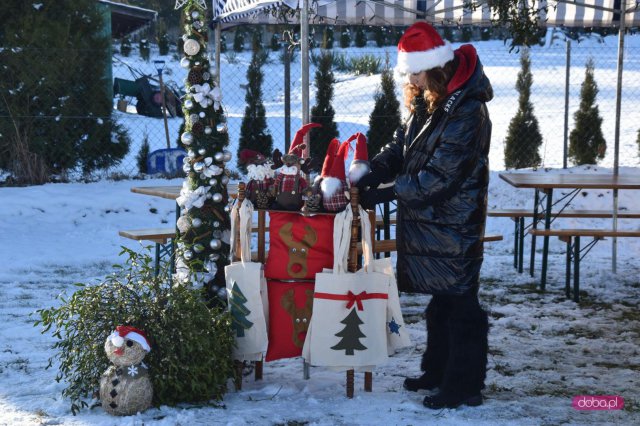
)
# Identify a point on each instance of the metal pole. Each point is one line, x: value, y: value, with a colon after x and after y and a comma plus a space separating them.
x: 566, y: 105
x: 164, y: 109
x: 304, y: 64
x: 287, y: 90
x: 218, y: 41
x: 621, y: 30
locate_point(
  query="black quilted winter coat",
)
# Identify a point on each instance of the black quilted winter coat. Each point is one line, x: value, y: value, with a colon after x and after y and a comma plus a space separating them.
x: 441, y: 173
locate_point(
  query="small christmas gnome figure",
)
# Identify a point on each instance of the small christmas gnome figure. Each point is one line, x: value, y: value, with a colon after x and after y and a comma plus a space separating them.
x: 125, y: 388
x: 360, y: 164
x: 260, y: 176
x: 289, y: 184
x: 335, y: 193
x: 332, y: 151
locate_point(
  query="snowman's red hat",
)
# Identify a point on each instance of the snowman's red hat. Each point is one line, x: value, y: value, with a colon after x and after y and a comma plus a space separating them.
x: 126, y: 332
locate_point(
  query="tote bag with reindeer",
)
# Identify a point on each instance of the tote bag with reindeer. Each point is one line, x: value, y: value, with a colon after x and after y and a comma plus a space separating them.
x: 299, y: 246
x: 246, y: 292
x: 348, y: 328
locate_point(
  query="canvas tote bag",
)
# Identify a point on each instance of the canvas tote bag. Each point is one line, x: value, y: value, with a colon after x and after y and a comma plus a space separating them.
x: 246, y: 292
x: 397, y: 334
x: 347, y: 329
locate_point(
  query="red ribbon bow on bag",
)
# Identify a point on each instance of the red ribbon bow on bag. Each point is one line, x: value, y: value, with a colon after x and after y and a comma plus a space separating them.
x: 352, y: 298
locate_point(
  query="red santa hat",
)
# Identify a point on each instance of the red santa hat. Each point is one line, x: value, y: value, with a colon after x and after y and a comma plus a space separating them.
x: 332, y: 151
x: 126, y: 332
x: 333, y: 180
x: 297, y: 145
x: 360, y: 164
x: 249, y: 156
x: 421, y: 48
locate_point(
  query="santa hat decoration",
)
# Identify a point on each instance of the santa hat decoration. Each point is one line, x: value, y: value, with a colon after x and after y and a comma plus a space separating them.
x: 125, y: 332
x: 332, y: 151
x: 297, y: 145
x: 249, y: 156
x: 333, y: 180
x: 421, y: 48
x: 360, y: 164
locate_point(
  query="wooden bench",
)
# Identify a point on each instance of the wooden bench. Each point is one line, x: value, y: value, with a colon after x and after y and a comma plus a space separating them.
x: 160, y: 236
x: 384, y: 246
x: 519, y: 215
x: 574, y: 251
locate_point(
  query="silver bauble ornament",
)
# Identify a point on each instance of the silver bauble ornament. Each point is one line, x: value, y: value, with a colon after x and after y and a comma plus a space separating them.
x: 198, y: 248
x: 186, y: 168
x: 221, y: 128
x: 195, y: 14
x: 227, y: 208
x: 185, y: 63
x: 213, y: 182
x: 191, y: 154
x: 191, y: 47
x: 196, y: 222
x: 198, y: 167
x: 216, y: 234
x: 202, y: 151
x: 194, y: 118
x: 188, y: 104
x: 208, y: 130
x: 216, y: 224
x: 219, y: 157
x: 209, y: 196
x: 188, y: 254
x: 186, y: 138
x: 206, y: 76
x: 202, y: 114
x: 222, y: 293
x: 214, y: 257
x: 217, y: 197
x: 224, y: 180
x: 215, y: 244
x: 227, y: 155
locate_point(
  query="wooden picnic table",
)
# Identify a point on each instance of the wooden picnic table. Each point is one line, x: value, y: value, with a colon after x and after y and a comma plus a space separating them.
x: 547, y: 182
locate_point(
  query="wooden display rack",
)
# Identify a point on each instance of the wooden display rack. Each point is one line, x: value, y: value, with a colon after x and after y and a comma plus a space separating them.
x: 353, y: 263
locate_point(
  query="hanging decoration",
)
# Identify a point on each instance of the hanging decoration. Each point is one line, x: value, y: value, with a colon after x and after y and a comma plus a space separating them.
x: 204, y: 225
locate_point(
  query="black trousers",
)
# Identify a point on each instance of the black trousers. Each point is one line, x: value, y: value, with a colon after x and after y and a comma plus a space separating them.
x: 457, y: 344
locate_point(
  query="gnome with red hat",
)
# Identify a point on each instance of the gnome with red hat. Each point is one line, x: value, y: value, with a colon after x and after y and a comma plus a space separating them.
x: 261, y: 178
x: 360, y: 163
x: 125, y: 388
x: 334, y: 189
x: 289, y: 184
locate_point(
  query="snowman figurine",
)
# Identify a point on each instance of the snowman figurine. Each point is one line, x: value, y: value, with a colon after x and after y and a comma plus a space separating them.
x: 125, y: 388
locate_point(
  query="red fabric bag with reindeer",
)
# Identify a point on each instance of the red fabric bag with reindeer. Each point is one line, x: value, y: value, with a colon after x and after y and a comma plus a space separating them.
x: 299, y: 246
x: 289, y: 317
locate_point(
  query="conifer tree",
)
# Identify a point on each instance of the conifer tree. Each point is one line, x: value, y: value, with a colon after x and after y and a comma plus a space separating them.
x: 202, y: 246
x: 56, y: 103
x: 253, y: 130
x: 586, y: 142
x: 145, y: 49
x: 345, y: 38
x: 322, y: 112
x: 385, y: 117
x: 523, y: 135
x: 327, y: 38
x: 638, y: 142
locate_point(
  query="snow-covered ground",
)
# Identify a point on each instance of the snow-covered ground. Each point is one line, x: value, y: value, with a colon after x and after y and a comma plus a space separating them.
x: 544, y: 349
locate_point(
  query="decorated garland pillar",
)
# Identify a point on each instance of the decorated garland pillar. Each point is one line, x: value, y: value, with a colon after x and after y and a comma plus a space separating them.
x: 204, y: 224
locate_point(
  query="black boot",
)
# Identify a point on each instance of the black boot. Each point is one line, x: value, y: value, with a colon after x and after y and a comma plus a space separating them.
x: 434, y: 359
x: 467, y: 364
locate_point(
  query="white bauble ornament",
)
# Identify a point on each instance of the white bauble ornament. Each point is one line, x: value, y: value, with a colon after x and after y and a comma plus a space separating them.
x: 221, y: 128
x: 219, y: 156
x: 195, y: 14
x: 186, y: 138
x: 227, y: 209
x: 213, y: 182
x: 194, y: 118
x: 202, y: 114
x: 183, y: 224
x: 202, y: 151
x: 208, y: 130
x: 185, y: 63
x: 196, y: 221
x: 227, y: 155
x: 191, y: 47
x: 217, y: 197
x: 188, y: 104
x: 216, y: 224
x: 186, y: 168
x: 215, y: 244
x: 198, y: 167
x: 188, y: 254
x: 224, y: 180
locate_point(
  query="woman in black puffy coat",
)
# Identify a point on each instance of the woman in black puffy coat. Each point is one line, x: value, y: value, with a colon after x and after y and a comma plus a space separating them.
x: 439, y: 162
